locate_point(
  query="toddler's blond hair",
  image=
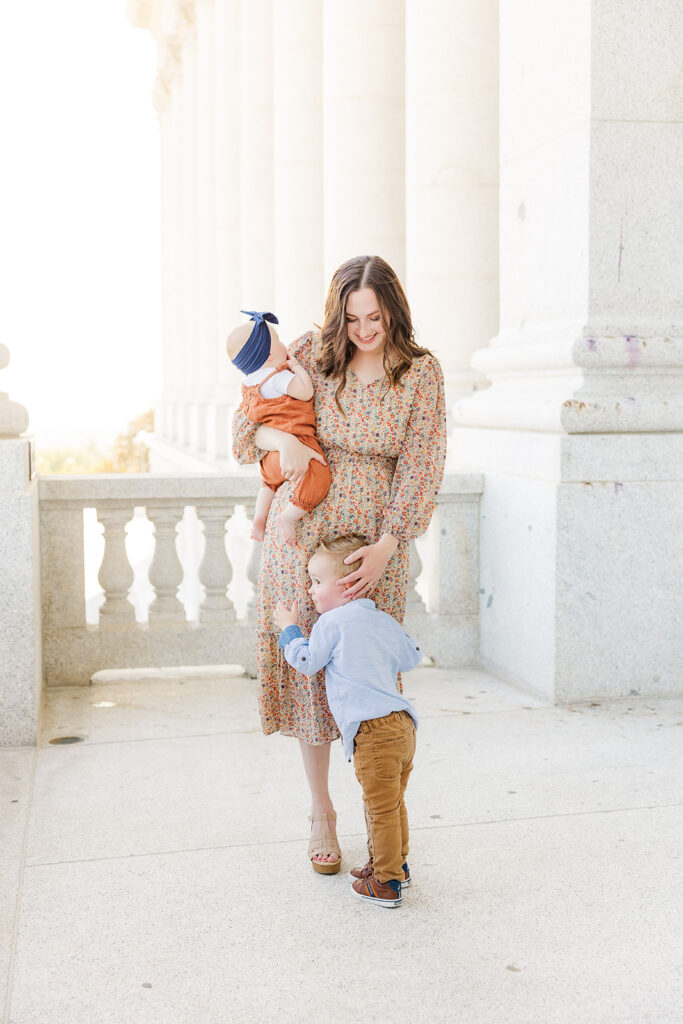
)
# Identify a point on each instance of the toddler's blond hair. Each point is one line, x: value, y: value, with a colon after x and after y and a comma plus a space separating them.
x: 339, y: 548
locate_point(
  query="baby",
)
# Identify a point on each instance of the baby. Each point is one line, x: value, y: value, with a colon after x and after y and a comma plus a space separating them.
x: 362, y: 650
x: 277, y: 392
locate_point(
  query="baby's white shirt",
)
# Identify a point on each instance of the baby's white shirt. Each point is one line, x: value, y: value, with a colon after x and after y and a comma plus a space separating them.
x: 276, y: 387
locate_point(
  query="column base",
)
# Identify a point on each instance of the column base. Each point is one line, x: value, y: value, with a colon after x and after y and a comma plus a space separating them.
x: 579, y: 567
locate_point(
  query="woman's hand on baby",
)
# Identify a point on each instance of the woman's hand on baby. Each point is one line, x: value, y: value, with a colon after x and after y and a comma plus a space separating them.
x: 285, y: 616
x: 294, y: 458
x: 362, y: 582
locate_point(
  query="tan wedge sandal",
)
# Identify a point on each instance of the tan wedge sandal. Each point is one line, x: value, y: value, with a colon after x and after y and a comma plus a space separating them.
x: 324, y: 844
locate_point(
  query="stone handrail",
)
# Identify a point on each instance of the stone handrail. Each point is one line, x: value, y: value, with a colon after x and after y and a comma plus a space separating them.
x: 73, y: 649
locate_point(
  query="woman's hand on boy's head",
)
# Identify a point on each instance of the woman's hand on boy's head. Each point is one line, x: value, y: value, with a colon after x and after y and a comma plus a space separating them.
x: 363, y: 581
x: 285, y: 616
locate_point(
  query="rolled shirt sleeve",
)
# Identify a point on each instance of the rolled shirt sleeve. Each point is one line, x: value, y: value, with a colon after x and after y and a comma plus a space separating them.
x: 410, y: 655
x: 308, y: 656
x: 419, y: 470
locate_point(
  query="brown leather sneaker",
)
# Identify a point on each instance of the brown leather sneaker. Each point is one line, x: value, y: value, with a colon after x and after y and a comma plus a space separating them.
x: 366, y: 870
x: 383, y: 894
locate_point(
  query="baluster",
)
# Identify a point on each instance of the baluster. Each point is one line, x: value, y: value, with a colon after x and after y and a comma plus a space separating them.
x: 165, y: 571
x: 253, y: 565
x: 115, y: 574
x: 414, y: 603
x: 215, y: 570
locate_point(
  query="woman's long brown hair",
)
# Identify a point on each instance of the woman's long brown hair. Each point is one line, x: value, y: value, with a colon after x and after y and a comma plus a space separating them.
x: 336, y: 349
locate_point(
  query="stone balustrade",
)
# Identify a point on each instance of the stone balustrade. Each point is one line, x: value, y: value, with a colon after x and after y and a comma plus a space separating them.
x: 74, y: 649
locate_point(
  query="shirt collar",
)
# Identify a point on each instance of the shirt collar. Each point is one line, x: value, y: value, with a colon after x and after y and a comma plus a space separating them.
x: 360, y: 602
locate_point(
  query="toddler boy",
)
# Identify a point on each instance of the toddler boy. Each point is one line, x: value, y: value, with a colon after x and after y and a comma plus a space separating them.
x: 362, y: 650
x: 277, y: 392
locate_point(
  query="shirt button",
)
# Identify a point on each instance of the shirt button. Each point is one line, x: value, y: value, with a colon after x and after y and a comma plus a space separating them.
x: 303, y: 657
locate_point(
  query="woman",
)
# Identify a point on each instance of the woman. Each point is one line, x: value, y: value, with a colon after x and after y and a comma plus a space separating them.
x: 381, y: 422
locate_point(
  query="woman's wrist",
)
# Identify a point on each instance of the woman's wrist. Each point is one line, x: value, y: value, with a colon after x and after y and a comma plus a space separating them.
x: 387, y: 544
x: 287, y: 442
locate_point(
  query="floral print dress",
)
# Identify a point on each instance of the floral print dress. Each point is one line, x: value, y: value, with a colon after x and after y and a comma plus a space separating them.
x: 386, y: 458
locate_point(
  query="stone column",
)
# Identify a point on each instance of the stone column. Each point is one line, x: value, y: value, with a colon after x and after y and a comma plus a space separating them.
x: 452, y: 181
x: 170, y: 23
x: 184, y: 306
x: 228, y: 216
x: 363, y: 133
x: 194, y: 414
x: 297, y: 71
x: 580, y: 432
x: 207, y: 342
x: 163, y: 417
x: 256, y: 154
x: 174, y: 301
x: 20, y: 618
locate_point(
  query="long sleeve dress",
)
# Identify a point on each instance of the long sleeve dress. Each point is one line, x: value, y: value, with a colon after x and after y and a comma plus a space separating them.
x: 386, y: 458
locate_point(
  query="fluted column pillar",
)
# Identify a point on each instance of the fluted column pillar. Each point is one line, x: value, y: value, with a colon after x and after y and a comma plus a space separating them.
x: 363, y: 132
x: 228, y: 270
x: 163, y: 420
x: 207, y: 340
x: 256, y: 154
x: 174, y: 300
x: 227, y: 85
x: 297, y: 71
x: 452, y: 181
x: 182, y: 294
x: 194, y: 412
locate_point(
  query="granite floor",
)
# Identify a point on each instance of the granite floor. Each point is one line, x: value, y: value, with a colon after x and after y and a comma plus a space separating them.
x: 155, y: 872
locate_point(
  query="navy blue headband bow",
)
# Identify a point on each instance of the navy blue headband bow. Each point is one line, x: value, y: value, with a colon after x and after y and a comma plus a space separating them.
x: 256, y: 349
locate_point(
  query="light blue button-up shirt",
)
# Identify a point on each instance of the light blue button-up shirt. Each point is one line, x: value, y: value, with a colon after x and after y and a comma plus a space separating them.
x: 362, y: 651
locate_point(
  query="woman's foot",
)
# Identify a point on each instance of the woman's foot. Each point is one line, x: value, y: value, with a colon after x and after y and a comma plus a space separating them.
x: 323, y: 846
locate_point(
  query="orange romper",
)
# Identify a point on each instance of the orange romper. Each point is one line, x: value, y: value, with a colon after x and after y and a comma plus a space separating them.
x: 296, y: 417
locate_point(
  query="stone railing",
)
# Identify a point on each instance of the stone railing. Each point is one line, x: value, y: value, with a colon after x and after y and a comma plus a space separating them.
x: 74, y: 649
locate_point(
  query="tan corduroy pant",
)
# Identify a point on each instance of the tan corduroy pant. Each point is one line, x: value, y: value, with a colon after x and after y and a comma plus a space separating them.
x: 383, y: 759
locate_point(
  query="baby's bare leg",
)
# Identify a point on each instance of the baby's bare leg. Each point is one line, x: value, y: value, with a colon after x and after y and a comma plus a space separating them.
x: 264, y: 499
x: 287, y: 521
